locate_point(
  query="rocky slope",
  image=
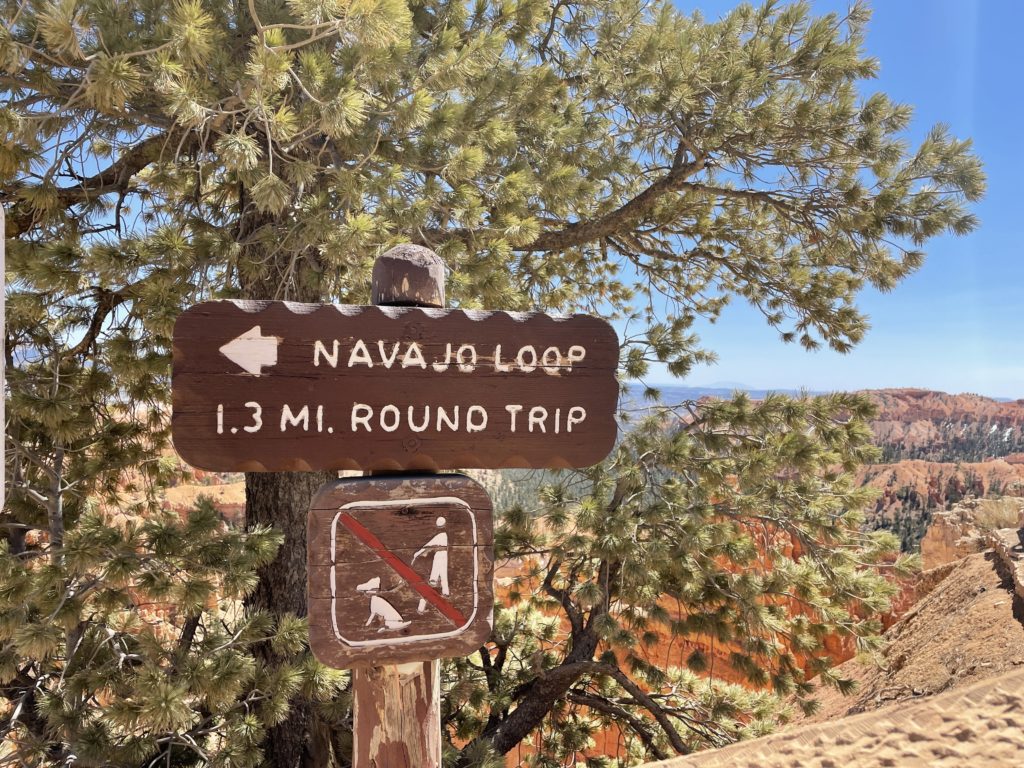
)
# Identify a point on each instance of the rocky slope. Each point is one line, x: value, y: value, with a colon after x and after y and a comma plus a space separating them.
x: 963, y: 630
x: 911, y: 492
x: 968, y: 623
x: 978, y: 725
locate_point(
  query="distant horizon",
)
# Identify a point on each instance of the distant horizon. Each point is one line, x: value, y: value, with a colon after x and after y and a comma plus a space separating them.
x: 746, y: 387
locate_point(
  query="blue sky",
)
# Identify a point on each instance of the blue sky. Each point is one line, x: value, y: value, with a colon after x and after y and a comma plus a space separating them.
x: 958, y: 323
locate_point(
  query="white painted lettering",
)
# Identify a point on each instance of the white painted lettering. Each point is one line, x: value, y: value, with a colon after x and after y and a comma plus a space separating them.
x: 257, y: 416
x: 576, y: 354
x: 319, y: 418
x: 320, y: 350
x: 527, y: 367
x: 441, y: 367
x: 513, y: 410
x: 394, y: 414
x: 552, y: 360
x: 443, y: 414
x: 287, y: 417
x: 479, y: 424
x: 538, y: 415
x: 385, y: 360
x: 426, y: 419
x: 361, y: 414
x: 464, y: 366
x: 575, y: 416
x: 499, y: 366
x: 360, y: 354
x: 413, y: 356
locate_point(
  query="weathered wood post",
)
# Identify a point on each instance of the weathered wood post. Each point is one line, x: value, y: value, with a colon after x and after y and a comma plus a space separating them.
x: 397, y: 708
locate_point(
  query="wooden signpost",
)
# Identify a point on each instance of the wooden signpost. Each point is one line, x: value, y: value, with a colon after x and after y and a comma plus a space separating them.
x: 400, y: 566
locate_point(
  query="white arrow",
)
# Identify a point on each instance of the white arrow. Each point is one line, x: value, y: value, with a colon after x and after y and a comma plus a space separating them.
x: 252, y: 351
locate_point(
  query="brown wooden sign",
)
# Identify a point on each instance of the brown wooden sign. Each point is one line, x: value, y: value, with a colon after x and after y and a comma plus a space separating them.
x: 400, y: 569
x: 275, y: 386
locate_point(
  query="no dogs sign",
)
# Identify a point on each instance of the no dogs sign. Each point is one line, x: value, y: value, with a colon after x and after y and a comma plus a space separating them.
x: 400, y: 569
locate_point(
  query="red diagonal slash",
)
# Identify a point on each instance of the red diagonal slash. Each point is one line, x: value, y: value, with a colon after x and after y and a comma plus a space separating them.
x: 425, y: 591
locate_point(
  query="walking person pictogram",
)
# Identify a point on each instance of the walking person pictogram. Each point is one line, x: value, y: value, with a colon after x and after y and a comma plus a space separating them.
x: 439, y: 568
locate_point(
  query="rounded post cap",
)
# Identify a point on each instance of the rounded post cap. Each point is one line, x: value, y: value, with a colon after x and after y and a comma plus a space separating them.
x: 409, y: 275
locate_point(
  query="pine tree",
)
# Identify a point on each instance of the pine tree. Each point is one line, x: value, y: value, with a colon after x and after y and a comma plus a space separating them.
x: 614, y: 156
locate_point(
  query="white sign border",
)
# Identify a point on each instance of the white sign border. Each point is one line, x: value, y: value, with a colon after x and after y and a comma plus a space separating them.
x: 401, y: 503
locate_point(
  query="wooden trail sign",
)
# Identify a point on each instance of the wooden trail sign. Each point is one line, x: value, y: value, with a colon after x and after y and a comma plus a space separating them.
x: 400, y: 569
x: 280, y: 386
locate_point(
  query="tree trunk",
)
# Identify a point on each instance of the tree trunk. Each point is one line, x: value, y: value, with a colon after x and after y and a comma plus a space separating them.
x: 281, y: 499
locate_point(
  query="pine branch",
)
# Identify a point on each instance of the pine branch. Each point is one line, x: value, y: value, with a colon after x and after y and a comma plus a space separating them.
x: 188, y: 634
x: 21, y: 692
x: 562, y: 596
x: 582, y: 232
x: 55, y: 509
x: 648, y: 703
x: 594, y: 230
x: 113, y: 178
x: 621, y: 715
x: 537, y: 697
x: 107, y: 302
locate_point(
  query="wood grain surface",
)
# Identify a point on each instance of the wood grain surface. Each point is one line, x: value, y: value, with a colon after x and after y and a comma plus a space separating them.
x: 279, y: 386
x: 400, y: 569
x: 398, y: 716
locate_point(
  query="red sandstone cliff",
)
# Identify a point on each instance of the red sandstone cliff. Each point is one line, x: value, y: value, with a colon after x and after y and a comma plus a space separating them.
x: 936, y: 426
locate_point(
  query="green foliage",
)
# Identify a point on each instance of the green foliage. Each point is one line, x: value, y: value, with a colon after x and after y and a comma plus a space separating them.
x: 138, y: 649
x: 731, y: 523
x: 615, y: 156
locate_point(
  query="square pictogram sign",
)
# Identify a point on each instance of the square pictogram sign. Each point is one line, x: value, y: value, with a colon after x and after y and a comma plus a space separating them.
x: 400, y: 569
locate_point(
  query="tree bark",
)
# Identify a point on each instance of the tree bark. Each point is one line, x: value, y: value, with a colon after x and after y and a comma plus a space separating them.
x: 281, y: 500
